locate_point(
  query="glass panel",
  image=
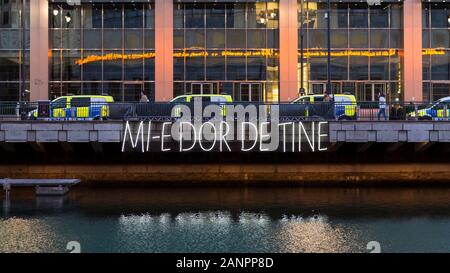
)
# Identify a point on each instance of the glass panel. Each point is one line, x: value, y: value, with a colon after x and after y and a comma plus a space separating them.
x: 316, y: 15
x: 440, y: 67
x: 178, y: 39
x: 149, y: 15
x: 379, y: 68
x: 9, y: 39
x: 396, y: 68
x: 92, y: 39
x: 215, y: 68
x: 439, y: 16
x: 195, y: 68
x: 236, y: 39
x: 359, y: 38
x: 55, y: 66
x: 339, y: 68
x: 70, y: 70
x: 92, y: 71
x: 257, y: 16
x: 359, y: 68
x: 215, y: 38
x: 358, y: 15
x: 133, y: 16
x: 149, y: 68
x: 178, y: 68
x: 112, y: 15
x: 195, y: 39
x: 235, y: 68
x: 317, y: 38
x: 235, y: 15
x: 339, y: 39
x: 215, y: 15
x: 133, y: 67
x: 426, y: 65
x: 10, y: 92
x: 195, y: 15
x: 397, y: 16
x: 256, y: 39
x: 256, y: 68
x: 112, y: 39
x: 178, y: 16
x: 92, y: 16
x: 379, y: 16
x: 318, y: 68
x: 132, y: 92
x: 149, y: 41
x: 9, y: 66
x: 94, y: 88
x: 339, y: 16
x: 379, y: 38
x: 440, y: 38
x: 440, y: 90
x: 114, y: 89
x: 112, y: 69
x: 273, y: 39
x: 396, y: 39
x: 71, y: 39
x: 133, y: 39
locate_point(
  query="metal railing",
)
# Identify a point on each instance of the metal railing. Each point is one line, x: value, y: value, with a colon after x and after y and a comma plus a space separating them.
x: 165, y: 111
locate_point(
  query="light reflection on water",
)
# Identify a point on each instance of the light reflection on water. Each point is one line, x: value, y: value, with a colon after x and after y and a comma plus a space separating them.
x: 229, y: 220
x: 215, y: 231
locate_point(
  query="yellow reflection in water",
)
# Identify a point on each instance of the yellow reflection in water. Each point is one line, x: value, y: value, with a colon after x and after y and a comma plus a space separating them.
x: 26, y: 235
x: 314, y: 235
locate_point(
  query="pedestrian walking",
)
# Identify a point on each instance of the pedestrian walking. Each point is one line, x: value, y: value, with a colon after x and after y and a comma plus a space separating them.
x: 381, y: 106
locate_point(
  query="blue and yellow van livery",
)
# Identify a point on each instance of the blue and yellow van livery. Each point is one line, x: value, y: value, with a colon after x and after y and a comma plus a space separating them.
x: 344, y: 105
x: 435, y: 112
x: 78, y: 107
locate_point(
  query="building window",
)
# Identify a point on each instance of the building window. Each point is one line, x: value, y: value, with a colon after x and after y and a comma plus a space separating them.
x: 103, y: 49
x: 14, y: 47
x: 229, y: 48
x: 436, y: 56
x: 366, y: 42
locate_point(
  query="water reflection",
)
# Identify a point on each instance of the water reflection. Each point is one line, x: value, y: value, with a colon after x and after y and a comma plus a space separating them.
x: 288, y: 234
x: 228, y: 220
x: 27, y: 235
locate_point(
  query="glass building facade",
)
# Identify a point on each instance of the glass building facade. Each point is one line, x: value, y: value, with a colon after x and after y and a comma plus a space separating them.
x: 436, y: 42
x: 14, y: 49
x: 366, y: 48
x: 102, y: 48
x: 253, y: 50
x: 227, y: 48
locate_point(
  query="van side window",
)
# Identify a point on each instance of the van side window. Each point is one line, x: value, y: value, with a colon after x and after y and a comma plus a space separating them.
x: 59, y: 103
x: 206, y: 99
x: 218, y: 99
x: 80, y: 102
x: 318, y: 98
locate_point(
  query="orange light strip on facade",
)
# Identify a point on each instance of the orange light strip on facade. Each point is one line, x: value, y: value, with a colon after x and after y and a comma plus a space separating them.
x: 270, y: 53
x: 345, y: 53
x: 113, y: 57
x: 433, y: 51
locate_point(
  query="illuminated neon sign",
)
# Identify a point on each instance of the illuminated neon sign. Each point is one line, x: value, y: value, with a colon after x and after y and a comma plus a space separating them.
x: 231, y: 128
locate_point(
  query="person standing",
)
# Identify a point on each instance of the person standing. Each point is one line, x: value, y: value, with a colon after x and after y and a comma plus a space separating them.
x: 381, y: 106
x: 144, y: 98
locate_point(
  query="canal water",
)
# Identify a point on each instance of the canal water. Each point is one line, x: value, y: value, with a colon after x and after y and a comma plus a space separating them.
x: 228, y: 220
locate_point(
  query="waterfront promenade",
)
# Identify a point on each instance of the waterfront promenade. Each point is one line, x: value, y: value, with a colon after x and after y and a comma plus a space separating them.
x: 357, y: 152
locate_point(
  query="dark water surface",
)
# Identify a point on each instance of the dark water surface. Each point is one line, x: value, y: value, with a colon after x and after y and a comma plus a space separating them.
x: 228, y: 220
